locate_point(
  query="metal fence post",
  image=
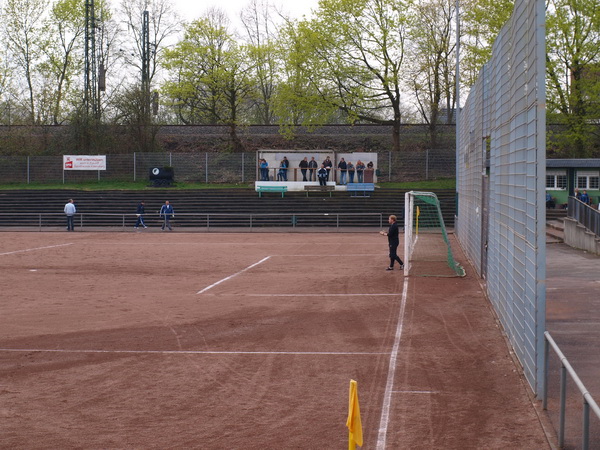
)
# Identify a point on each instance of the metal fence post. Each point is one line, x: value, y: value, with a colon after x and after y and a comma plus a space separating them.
x: 134, y: 167
x: 242, y: 167
x: 28, y: 175
x: 586, y: 425
x: 563, y: 397
x: 206, y: 167
x: 427, y: 164
x: 545, y: 380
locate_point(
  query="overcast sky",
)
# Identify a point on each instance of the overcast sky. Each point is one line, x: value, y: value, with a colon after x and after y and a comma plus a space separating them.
x: 192, y: 9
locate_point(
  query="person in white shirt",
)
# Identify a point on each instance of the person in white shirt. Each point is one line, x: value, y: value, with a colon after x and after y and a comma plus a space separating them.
x: 70, y: 212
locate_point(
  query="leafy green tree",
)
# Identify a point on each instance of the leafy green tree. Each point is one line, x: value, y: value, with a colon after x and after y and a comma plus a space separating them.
x: 573, y: 71
x: 261, y: 35
x: 209, y: 79
x: 481, y: 21
x: 299, y: 98
x: 351, y: 58
x: 572, y: 63
x: 64, y: 31
x: 432, y: 50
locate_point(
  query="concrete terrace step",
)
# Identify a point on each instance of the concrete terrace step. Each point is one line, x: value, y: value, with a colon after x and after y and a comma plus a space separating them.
x: 21, y: 207
x: 555, y: 231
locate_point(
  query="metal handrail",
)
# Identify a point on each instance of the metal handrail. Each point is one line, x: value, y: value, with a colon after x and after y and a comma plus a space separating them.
x: 247, y: 220
x: 584, y: 214
x: 588, y: 401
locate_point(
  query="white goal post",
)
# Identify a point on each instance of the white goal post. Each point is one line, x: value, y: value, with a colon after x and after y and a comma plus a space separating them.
x: 427, y: 250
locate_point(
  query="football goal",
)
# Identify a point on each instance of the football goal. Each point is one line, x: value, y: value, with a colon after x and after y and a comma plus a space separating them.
x: 427, y: 250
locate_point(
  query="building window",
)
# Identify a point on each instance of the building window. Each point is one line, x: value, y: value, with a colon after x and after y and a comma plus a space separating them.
x: 556, y: 180
x: 588, y: 180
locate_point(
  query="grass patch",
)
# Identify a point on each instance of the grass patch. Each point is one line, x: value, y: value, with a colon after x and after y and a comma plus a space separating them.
x: 106, y: 185
x: 430, y: 185
x: 115, y: 186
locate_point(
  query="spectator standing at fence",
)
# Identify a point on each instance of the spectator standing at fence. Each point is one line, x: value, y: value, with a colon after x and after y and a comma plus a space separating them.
x: 322, y: 173
x: 393, y: 242
x: 303, y: 167
x: 312, y: 168
x: 577, y: 195
x: 139, y: 212
x: 360, y: 168
x: 369, y: 172
x: 350, y: 172
x: 343, y: 170
x: 264, y: 170
x: 167, y: 213
x: 70, y: 211
x: 328, y: 165
x: 280, y: 171
x: 285, y: 163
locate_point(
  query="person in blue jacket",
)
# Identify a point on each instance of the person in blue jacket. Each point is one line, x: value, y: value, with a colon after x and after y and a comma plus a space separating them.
x: 585, y: 198
x: 167, y: 212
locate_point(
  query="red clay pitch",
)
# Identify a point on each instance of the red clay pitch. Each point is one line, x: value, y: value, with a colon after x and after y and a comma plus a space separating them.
x: 106, y: 342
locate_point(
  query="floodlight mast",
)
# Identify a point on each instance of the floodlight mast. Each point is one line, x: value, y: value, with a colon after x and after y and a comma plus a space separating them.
x: 146, y: 54
x: 91, y: 94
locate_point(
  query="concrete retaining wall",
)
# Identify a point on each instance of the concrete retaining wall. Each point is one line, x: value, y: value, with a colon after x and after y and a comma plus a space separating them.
x: 577, y: 236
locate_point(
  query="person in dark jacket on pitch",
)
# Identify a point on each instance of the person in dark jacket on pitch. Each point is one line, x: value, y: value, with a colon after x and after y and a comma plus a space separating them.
x: 393, y: 242
x: 140, y: 211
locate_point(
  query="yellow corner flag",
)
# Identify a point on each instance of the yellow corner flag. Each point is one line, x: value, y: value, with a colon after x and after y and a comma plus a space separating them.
x: 353, y: 423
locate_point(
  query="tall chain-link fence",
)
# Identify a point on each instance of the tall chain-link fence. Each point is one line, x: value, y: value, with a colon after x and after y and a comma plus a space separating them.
x: 501, y: 213
x: 210, y: 167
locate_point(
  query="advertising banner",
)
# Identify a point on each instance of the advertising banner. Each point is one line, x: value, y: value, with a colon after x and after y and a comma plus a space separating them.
x: 84, y: 162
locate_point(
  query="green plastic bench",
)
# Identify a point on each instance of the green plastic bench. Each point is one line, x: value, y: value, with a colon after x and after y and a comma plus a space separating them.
x: 261, y: 189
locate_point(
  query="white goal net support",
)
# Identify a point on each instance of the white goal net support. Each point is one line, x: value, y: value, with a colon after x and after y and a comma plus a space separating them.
x: 427, y: 250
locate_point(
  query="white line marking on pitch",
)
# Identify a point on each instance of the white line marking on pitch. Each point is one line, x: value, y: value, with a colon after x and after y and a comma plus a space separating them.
x: 416, y: 392
x: 33, y: 249
x: 389, y: 386
x: 321, y: 295
x: 186, y: 352
x: 231, y: 276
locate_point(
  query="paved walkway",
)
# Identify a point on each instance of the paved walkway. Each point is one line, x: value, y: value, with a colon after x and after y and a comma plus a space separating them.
x: 573, y: 320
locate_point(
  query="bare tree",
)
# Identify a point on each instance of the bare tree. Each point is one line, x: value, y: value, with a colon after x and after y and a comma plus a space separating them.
x: 163, y: 24
x: 23, y: 33
x: 261, y: 33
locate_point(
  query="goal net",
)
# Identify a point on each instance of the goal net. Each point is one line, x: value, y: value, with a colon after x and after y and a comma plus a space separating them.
x: 427, y: 250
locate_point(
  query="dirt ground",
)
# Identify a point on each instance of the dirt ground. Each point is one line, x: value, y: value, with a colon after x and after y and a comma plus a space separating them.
x: 231, y: 341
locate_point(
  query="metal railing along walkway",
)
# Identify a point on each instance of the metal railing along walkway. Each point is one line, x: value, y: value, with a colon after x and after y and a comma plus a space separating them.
x: 588, y: 402
x: 584, y: 214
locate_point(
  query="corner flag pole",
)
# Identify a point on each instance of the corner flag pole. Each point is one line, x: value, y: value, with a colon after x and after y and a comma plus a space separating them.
x: 353, y: 422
